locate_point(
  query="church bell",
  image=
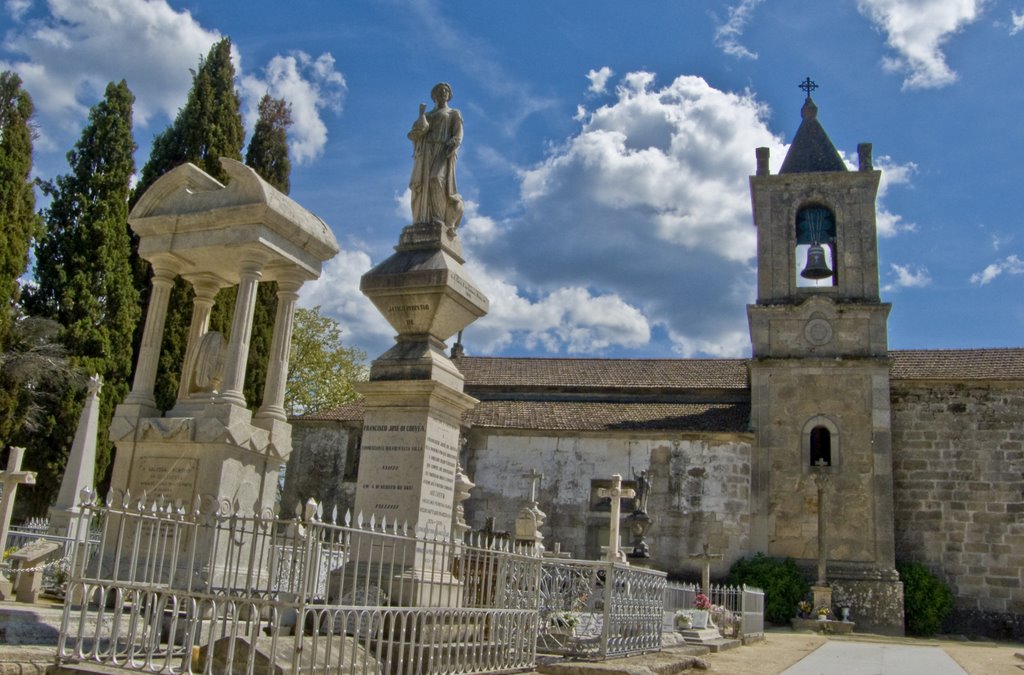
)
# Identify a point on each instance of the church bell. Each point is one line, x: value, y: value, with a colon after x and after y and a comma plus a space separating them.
x: 816, y: 267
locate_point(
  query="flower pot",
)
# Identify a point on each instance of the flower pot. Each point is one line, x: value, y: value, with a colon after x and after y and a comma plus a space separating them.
x: 822, y: 617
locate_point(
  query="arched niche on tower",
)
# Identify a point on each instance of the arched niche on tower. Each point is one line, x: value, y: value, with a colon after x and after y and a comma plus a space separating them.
x: 815, y: 234
x: 820, y: 443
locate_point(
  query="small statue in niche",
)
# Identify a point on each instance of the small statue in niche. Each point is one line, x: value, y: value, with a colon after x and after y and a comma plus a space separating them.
x: 436, y: 137
x: 643, y: 489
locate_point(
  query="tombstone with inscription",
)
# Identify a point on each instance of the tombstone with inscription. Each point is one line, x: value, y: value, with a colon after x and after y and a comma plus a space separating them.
x: 414, y: 397
x: 210, y: 444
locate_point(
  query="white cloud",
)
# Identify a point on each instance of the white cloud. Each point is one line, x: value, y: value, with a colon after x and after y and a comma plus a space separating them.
x: 890, y: 224
x: 599, y: 79
x: 916, y: 30
x: 337, y: 294
x: 729, y: 33
x: 311, y: 86
x: 644, y: 214
x: 567, y: 320
x: 17, y: 8
x: 906, y: 276
x: 1008, y: 265
x: 1016, y: 22
x: 67, y: 57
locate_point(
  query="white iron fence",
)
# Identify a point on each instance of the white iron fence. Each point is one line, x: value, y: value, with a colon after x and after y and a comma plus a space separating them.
x: 212, y: 590
x: 738, y: 611
x: 600, y: 609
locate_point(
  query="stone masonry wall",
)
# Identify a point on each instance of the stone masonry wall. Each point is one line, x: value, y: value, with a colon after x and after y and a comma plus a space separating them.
x: 700, y: 491
x: 958, y: 465
x: 318, y: 466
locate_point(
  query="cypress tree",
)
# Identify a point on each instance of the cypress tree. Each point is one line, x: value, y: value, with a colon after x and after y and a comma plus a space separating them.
x: 207, y: 128
x: 84, y: 272
x: 18, y: 220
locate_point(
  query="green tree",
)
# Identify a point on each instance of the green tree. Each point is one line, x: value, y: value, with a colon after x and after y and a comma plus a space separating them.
x: 268, y: 149
x: 35, y: 374
x: 927, y: 601
x: 781, y: 581
x: 83, y: 270
x: 18, y: 220
x: 207, y: 128
x: 322, y: 372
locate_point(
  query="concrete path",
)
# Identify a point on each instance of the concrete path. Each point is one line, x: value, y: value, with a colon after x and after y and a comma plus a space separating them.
x: 866, y: 658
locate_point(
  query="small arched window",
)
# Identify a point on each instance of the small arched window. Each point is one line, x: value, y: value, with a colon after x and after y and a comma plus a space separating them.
x: 821, y: 447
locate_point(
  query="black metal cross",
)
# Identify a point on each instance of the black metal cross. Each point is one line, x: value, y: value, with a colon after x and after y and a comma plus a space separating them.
x: 808, y: 86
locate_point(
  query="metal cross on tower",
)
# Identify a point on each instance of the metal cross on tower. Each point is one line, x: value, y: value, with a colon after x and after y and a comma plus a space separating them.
x: 808, y: 85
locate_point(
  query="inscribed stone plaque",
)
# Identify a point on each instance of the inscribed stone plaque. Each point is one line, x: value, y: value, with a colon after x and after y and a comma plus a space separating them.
x: 172, y: 477
x: 407, y: 469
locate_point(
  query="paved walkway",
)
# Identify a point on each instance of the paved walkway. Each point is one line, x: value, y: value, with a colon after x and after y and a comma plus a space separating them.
x: 864, y: 658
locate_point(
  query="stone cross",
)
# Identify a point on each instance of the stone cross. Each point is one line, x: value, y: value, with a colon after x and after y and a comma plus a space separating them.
x: 821, y: 479
x: 10, y: 480
x: 535, y: 478
x: 616, y: 492
x: 705, y: 572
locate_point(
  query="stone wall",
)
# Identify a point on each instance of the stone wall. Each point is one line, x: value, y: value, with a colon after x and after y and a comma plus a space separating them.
x: 700, y: 491
x: 958, y: 462
x: 322, y: 465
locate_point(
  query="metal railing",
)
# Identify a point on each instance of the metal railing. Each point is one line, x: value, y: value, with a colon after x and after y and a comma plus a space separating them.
x: 212, y: 590
x: 600, y: 609
x: 738, y: 611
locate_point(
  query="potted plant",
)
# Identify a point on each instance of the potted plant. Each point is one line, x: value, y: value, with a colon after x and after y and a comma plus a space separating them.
x: 683, y: 620
x: 823, y: 613
x: 804, y: 608
x: 701, y: 611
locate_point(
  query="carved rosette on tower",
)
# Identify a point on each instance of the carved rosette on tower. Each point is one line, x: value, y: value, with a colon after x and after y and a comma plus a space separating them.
x: 414, y: 399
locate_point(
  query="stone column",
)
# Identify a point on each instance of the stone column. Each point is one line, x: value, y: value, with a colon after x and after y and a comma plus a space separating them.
x: 205, y: 287
x: 277, y: 368
x: 241, y: 332
x: 152, y: 338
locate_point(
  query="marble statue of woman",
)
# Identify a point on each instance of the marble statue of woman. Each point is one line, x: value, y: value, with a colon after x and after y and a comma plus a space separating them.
x: 436, y: 137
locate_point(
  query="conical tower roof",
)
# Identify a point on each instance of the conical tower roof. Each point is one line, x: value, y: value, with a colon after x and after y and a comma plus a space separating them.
x: 812, y: 149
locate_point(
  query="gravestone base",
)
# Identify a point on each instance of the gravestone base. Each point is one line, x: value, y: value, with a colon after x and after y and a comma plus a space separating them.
x: 219, y: 461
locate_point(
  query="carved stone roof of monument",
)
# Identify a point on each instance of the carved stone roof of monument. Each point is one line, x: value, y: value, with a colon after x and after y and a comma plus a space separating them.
x: 812, y: 149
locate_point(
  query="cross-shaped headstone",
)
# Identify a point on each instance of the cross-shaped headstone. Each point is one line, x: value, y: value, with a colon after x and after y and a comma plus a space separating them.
x: 705, y: 572
x: 808, y: 85
x: 535, y: 478
x: 10, y: 480
x: 616, y: 492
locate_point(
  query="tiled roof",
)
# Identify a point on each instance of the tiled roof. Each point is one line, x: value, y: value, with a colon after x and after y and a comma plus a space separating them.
x: 482, y: 371
x: 958, y: 364
x: 637, y: 376
x: 593, y: 416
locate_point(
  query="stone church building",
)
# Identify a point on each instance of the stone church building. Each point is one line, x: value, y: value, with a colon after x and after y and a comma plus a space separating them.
x: 920, y: 452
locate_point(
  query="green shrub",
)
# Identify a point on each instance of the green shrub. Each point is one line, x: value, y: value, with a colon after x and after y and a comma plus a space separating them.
x: 780, y: 580
x: 927, y: 601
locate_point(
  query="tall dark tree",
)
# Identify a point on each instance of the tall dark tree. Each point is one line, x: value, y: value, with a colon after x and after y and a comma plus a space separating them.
x: 83, y: 268
x: 207, y: 128
x: 268, y: 149
x: 18, y: 220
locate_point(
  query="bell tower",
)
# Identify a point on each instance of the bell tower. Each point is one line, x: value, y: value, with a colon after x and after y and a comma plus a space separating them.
x: 820, y: 374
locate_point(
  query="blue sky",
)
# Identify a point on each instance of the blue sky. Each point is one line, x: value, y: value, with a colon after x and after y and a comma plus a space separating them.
x: 607, y: 145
